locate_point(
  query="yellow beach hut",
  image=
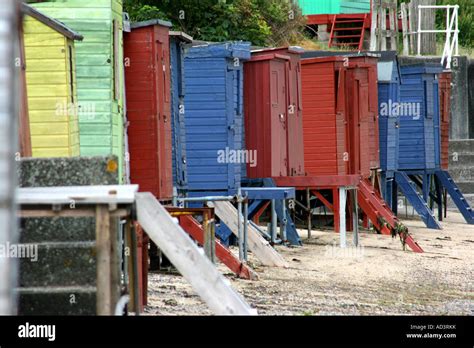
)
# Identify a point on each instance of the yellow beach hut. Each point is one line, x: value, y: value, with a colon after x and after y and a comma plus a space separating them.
x: 51, y: 85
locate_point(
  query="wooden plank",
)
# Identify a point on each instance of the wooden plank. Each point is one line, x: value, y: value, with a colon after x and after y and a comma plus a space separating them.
x: 318, y: 181
x: 76, y: 212
x: 130, y: 256
x: 383, y: 27
x: 114, y: 260
x: 103, y: 246
x: 412, y: 28
x: 105, y: 194
x: 190, y: 261
x: 406, y: 48
x: 373, y: 27
x: 23, y: 121
x: 392, y: 13
x: 257, y: 244
x: 395, y: 7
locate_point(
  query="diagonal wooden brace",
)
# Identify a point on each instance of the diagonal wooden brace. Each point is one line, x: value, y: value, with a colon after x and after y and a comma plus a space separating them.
x: 194, y: 229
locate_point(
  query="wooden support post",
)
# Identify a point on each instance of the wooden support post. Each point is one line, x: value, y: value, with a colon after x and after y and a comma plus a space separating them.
x: 395, y: 14
x: 411, y: 22
x: 241, y: 269
x: 209, y: 238
x: 136, y: 304
x: 132, y: 286
x: 108, y: 267
x: 406, y: 48
x: 115, y: 259
x: 355, y: 217
x: 392, y: 13
x: 373, y: 27
x: 336, y: 211
x: 350, y: 210
x: 141, y: 243
x: 104, y: 254
x: 383, y: 28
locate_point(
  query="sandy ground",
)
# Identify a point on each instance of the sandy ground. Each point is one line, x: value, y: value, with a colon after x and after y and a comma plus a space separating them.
x: 378, y: 278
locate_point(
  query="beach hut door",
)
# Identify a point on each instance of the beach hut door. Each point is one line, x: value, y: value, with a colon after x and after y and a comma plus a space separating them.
x: 279, y: 118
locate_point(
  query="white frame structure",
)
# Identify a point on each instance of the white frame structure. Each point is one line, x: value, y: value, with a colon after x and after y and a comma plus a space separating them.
x: 452, y: 34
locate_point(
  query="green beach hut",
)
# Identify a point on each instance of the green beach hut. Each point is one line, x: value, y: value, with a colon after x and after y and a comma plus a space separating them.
x: 99, y: 70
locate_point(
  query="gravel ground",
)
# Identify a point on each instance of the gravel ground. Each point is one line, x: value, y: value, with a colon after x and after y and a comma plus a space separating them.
x: 378, y: 278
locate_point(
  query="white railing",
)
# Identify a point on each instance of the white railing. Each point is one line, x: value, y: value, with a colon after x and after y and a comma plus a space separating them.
x: 452, y: 32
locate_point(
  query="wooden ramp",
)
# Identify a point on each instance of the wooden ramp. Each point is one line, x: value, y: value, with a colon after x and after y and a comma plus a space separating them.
x: 256, y: 243
x: 190, y: 261
x: 383, y: 219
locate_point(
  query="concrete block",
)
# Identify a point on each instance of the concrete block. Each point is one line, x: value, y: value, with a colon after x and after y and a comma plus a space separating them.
x: 72, y: 301
x: 66, y: 264
x: 60, y: 264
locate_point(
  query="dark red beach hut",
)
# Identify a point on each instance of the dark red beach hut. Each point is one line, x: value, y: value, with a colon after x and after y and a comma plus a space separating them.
x: 273, y: 112
x: 368, y: 64
x: 147, y: 75
x: 340, y: 118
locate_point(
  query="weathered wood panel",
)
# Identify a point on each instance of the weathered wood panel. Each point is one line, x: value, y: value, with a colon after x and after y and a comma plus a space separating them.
x: 257, y: 244
x: 428, y: 17
x: 51, y: 90
x: 99, y: 72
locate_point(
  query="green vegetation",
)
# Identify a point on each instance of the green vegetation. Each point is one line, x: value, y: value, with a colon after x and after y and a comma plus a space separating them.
x: 466, y: 19
x: 262, y: 22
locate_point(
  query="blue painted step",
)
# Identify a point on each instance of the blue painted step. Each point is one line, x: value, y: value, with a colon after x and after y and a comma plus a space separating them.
x: 456, y: 194
x: 407, y: 187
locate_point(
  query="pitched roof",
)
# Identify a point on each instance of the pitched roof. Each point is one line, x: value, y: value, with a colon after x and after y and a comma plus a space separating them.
x: 50, y: 22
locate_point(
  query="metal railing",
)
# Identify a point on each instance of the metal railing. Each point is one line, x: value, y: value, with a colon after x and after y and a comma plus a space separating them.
x: 452, y: 32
